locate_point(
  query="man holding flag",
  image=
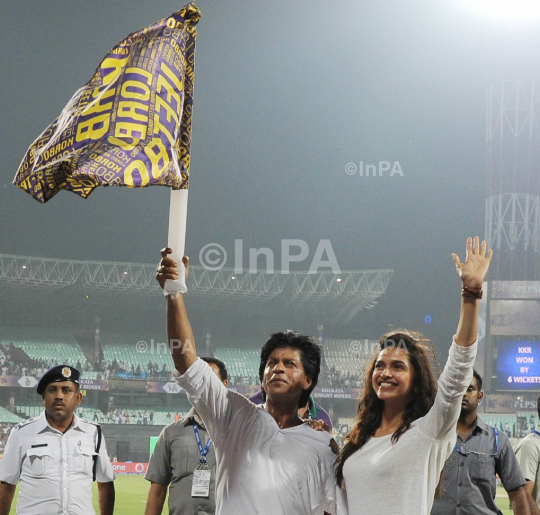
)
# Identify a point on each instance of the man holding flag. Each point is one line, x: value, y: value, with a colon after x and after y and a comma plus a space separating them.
x: 269, y: 461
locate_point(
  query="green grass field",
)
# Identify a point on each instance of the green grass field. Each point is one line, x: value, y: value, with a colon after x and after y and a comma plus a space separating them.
x: 131, y: 493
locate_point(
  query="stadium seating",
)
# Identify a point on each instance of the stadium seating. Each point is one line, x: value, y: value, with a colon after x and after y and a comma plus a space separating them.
x: 347, y: 356
x: 135, y: 350
x: 347, y: 422
x: 240, y: 362
x: 7, y: 416
x: 44, y: 344
x: 506, y: 423
x: 92, y: 374
x: 161, y: 419
x: 29, y: 410
x: 162, y: 416
x: 93, y: 414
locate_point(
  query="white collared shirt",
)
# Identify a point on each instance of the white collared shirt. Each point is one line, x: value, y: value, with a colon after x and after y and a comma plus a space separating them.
x: 55, y: 469
x: 262, y: 469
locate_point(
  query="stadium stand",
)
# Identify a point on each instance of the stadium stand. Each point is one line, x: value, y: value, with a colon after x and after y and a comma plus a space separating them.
x: 93, y: 374
x: 242, y: 364
x: 140, y: 356
x: 136, y: 355
x: 159, y: 416
x: 7, y: 416
x: 5, y: 429
x: 45, y: 346
x: 506, y: 423
x: 342, y: 429
x: 152, y: 417
x: 344, y: 362
x: 7, y: 421
x: 29, y: 411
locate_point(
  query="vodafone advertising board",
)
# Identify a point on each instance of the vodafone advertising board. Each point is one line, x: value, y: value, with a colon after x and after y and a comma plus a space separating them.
x: 121, y: 467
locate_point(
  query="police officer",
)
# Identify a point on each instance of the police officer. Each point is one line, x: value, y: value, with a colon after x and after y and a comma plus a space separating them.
x: 56, y: 455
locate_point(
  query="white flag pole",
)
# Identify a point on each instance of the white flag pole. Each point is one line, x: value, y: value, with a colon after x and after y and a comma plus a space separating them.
x: 177, y: 240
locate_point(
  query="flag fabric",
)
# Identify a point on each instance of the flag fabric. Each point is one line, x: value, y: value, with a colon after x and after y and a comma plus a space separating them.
x: 130, y: 125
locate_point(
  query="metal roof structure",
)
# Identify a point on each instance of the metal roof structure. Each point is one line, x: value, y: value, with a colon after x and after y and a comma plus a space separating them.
x: 340, y: 296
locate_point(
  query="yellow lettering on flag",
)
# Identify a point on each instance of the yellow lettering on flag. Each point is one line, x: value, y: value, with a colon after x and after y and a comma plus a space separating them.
x: 142, y: 91
x: 156, y: 155
x: 128, y: 109
x: 140, y: 71
x: 114, y: 67
x: 169, y: 87
x: 143, y: 172
x: 94, y: 128
x: 98, y: 106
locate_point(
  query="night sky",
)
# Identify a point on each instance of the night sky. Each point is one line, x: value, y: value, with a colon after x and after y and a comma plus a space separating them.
x: 287, y: 94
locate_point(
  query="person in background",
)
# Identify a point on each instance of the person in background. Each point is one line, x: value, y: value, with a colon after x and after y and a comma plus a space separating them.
x: 480, y: 454
x: 175, y: 458
x: 528, y: 456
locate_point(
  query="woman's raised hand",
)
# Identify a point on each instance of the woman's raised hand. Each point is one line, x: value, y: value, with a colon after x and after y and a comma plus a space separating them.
x: 474, y: 269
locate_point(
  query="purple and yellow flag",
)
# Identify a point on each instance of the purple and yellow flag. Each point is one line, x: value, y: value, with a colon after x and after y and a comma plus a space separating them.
x: 130, y: 125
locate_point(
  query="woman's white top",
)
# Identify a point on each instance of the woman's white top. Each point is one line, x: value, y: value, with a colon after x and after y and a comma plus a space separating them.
x: 400, y: 479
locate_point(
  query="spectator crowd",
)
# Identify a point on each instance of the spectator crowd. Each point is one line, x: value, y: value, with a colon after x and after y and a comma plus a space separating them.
x: 5, y: 428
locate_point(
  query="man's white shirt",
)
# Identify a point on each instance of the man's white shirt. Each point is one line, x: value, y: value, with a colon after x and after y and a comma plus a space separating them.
x: 262, y: 469
x: 55, y: 469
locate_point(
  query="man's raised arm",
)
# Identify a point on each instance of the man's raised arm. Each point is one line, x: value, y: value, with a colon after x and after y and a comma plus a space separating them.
x: 179, y: 332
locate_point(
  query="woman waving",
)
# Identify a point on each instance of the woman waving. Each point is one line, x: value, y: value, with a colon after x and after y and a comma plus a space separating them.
x: 405, y: 424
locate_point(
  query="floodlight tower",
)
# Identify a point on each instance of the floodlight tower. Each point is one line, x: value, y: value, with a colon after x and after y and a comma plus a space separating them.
x: 513, y: 179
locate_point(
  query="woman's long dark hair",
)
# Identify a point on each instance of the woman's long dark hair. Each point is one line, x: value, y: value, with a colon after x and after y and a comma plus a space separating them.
x: 370, y: 407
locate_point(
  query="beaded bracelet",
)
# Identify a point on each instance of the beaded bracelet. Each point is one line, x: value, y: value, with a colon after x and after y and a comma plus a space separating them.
x: 471, y: 293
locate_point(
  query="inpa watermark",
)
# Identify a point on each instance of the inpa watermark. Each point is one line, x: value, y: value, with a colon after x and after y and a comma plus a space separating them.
x: 374, y: 170
x: 213, y: 256
x: 368, y: 347
x: 157, y: 348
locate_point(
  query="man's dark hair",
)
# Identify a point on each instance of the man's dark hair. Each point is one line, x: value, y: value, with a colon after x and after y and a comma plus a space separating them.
x: 310, y: 352
x: 223, y: 374
x: 538, y: 406
x: 478, y: 378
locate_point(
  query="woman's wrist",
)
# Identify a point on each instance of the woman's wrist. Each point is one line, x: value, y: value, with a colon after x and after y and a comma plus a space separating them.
x: 471, y: 292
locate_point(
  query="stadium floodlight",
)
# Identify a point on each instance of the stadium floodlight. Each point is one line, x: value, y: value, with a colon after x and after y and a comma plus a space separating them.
x: 507, y: 9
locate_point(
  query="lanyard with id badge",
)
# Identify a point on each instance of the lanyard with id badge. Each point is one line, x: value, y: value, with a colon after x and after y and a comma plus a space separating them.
x: 201, y: 475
